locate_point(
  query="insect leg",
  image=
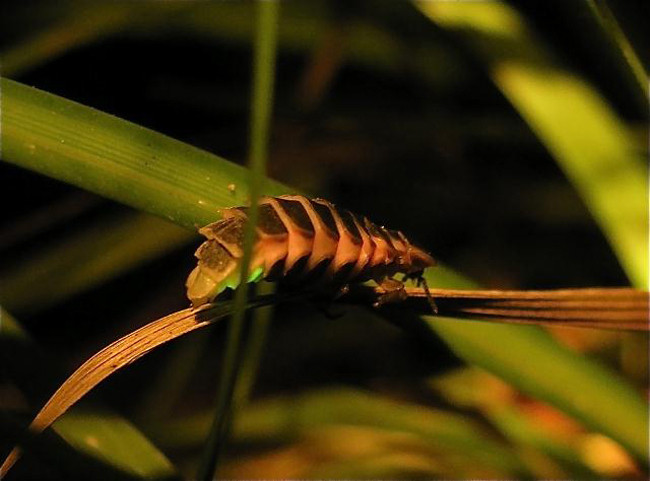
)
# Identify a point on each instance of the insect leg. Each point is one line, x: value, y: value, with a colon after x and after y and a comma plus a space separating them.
x: 419, y: 279
x: 393, y: 291
x: 432, y: 302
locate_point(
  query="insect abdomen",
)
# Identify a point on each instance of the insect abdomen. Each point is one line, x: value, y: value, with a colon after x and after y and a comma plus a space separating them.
x: 304, y: 240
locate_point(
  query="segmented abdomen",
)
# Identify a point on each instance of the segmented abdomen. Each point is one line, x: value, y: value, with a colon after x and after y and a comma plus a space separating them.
x: 303, y: 240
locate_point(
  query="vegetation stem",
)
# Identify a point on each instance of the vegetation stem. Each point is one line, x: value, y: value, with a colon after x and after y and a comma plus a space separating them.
x: 264, y: 62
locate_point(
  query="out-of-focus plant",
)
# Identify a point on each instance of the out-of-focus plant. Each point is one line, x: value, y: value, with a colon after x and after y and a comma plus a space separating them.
x: 155, y: 174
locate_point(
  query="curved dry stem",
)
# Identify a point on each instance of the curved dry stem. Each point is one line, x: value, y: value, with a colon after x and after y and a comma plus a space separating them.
x: 119, y: 354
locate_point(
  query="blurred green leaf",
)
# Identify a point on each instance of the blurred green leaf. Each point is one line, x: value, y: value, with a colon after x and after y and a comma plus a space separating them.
x: 100, y: 252
x: 77, y: 23
x: 114, y: 440
x: 596, y: 396
x: 467, y: 387
x: 285, y: 419
x: 531, y: 360
x: 521, y: 432
x: 590, y: 142
x: 98, y: 433
x: 391, y: 464
x: 302, y: 29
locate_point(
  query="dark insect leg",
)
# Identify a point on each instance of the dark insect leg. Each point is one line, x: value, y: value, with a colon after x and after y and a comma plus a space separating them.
x: 419, y: 279
x: 422, y: 281
x: 393, y: 292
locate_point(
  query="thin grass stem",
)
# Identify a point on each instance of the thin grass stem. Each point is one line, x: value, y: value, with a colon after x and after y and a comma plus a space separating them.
x: 253, y: 348
x: 263, y: 75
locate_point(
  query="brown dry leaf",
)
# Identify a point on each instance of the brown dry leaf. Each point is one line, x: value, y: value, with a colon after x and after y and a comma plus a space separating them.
x: 604, y: 308
x: 119, y: 354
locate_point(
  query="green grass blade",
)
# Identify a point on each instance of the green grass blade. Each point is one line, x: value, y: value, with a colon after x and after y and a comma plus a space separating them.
x: 78, y: 24
x: 117, y: 159
x: 98, y: 433
x: 589, y: 141
x: 262, y: 102
x: 253, y: 348
x: 613, y: 30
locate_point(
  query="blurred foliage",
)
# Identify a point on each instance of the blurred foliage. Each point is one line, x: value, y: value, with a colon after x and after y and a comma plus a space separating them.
x: 595, y: 390
x: 575, y: 124
x: 456, y: 130
x: 93, y: 255
x: 118, y: 449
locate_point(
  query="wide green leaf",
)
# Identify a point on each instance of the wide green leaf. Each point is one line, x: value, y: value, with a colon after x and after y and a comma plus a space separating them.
x: 118, y: 159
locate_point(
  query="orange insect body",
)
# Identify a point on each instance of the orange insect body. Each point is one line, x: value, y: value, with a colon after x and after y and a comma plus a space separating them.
x: 302, y: 240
